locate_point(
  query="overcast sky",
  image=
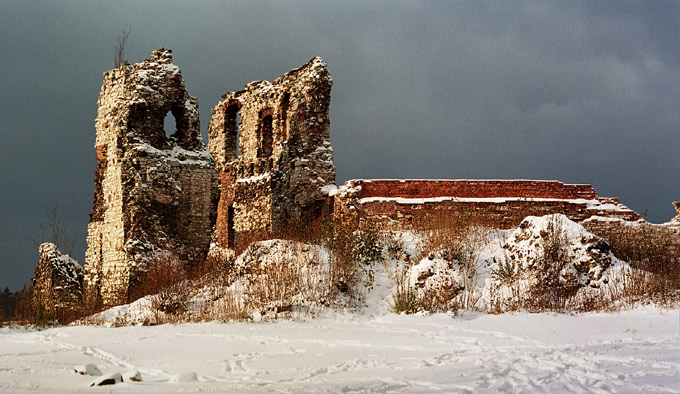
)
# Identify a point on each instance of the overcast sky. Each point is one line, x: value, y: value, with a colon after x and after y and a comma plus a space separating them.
x: 581, y: 92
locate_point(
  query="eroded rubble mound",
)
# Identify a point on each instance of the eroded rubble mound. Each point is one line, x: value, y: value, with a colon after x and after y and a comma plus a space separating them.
x: 583, y: 258
x: 544, y: 254
x: 276, y: 276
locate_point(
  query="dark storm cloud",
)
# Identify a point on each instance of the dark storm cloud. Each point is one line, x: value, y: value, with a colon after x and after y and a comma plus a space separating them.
x: 583, y: 92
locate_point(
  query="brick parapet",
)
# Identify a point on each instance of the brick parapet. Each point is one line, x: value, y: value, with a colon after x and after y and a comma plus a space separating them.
x: 474, y: 189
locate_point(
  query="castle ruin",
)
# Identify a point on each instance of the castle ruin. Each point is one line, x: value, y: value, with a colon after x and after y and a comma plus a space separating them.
x: 269, y: 165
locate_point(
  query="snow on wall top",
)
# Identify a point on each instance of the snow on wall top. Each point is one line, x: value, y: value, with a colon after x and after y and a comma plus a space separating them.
x: 64, y: 266
x: 464, y: 188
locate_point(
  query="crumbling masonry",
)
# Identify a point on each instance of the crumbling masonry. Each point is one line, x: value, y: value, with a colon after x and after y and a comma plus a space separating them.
x: 270, y: 166
x: 272, y: 148
x: 153, y: 194
x: 57, y: 282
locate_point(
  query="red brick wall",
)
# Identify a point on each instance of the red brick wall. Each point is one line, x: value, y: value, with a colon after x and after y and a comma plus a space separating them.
x: 474, y: 189
x: 388, y: 213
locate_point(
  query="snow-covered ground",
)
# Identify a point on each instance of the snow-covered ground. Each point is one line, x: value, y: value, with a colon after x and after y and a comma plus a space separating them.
x: 631, y: 351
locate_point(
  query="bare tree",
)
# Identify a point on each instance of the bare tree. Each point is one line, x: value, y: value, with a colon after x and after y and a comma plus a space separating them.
x: 55, y: 229
x: 119, y: 49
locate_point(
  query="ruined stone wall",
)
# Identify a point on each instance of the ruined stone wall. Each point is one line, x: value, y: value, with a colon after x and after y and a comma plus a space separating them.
x: 271, y: 144
x: 270, y: 165
x: 661, y: 235
x: 153, y: 193
x: 405, y: 204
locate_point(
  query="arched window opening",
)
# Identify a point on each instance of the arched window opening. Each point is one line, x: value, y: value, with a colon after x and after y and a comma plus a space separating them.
x: 266, y: 136
x: 283, y: 128
x: 232, y: 130
x: 170, y: 125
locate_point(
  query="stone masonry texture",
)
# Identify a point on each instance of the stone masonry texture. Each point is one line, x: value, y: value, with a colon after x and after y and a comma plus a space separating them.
x: 57, y: 281
x: 154, y: 194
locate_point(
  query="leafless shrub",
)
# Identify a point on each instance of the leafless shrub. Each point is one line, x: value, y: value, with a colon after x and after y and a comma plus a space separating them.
x: 54, y: 230
x: 352, y: 256
x: 30, y: 309
x: 225, y: 305
x: 549, y: 292
x: 315, y: 232
x: 405, y: 298
x: 119, y: 48
x: 441, y: 228
x: 507, y: 293
x: 216, y: 268
x: 458, y: 242
x: 165, y: 280
x: 394, y: 248
x: 244, y: 240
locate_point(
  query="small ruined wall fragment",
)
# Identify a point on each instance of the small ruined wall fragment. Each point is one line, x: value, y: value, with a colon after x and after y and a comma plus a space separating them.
x: 57, y: 281
x: 665, y: 236
x: 271, y: 144
x: 347, y: 209
x: 153, y: 193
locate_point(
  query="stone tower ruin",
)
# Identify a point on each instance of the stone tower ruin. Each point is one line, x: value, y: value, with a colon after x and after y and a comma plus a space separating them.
x: 271, y: 144
x: 154, y: 194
